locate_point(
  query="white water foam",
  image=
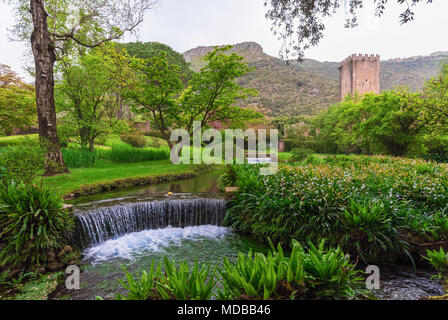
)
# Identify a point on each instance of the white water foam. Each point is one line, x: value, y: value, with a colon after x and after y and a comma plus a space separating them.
x: 152, y: 240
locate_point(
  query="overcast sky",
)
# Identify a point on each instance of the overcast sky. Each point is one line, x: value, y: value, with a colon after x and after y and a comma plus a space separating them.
x: 185, y: 24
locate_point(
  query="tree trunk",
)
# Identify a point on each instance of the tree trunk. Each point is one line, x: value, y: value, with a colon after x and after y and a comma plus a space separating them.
x: 44, y: 57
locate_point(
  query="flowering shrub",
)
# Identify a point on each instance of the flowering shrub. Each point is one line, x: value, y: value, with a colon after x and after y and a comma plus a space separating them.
x: 375, y: 207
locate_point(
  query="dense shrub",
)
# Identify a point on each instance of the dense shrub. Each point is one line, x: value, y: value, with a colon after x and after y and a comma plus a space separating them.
x: 299, y: 154
x: 21, y: 162
x: 175, y: 283
x: 134, y: 139
x: 33, y: 222
x: 79, y: 158
x: 373, y: 207
x: 313, y: 274
x: 316, y: 273
x: 125, y: 154
x: 439, y: 260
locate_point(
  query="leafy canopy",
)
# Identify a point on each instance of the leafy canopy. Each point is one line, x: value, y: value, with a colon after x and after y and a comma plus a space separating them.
x: 300, y: 22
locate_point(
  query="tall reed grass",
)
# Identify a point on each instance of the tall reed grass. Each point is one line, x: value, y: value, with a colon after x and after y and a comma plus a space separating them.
x: 127, y: 154
x: 79, y: 158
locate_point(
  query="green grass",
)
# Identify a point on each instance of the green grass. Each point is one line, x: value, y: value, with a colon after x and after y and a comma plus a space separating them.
x: 12, y: 140
x: 106, y: 171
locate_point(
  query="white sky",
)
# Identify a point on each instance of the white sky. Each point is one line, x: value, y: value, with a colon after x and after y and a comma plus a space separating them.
x: 187, y: 24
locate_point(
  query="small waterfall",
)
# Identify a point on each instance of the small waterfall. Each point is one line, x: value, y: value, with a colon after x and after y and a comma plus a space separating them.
x: 99, y: 225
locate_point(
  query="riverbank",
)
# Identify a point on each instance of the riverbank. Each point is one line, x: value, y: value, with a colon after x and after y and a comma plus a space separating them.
x: 109, y: 176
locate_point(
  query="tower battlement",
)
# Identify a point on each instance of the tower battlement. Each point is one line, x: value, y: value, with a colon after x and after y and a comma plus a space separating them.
x: 361, y: 57
x: 360, y: 73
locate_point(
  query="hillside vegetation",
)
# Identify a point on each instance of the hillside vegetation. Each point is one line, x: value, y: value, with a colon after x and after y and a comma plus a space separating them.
x: 307, y: 88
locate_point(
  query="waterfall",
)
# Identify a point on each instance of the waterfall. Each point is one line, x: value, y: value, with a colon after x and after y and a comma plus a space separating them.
x: 99, y: 225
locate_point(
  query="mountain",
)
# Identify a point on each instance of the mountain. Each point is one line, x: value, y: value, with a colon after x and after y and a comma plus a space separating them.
x: 283, y: 89
x: 292, y: 88
x: 411, y: 72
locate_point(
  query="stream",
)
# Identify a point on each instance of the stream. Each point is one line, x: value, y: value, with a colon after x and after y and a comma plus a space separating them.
x: 132, y: 229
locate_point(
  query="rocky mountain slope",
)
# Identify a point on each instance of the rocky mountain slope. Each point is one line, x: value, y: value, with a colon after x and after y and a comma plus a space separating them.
x: 309, y: 87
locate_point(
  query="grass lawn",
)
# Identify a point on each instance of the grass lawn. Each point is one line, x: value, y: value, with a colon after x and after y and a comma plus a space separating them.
x: 106, y: 171
x: 11, y: 140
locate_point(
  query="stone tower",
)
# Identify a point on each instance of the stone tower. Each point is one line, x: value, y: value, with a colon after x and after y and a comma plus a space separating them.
x: 360, y: 73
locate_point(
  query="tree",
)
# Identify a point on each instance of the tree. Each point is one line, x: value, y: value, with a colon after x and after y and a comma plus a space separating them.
x: 93, y: 86
x: 392, y: 127
x: 55, y: 28
x: 376, y: 124
x: 433, y: 101
x: 148, y: 50
x: 155, y: 90
x: 300, y: 22
x: 159, y: 93
x: 212, y: 92
x: 17, y: 101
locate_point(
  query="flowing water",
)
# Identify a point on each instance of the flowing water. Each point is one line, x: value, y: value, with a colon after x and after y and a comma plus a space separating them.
x: 98, y: 225
x: 134, y: 228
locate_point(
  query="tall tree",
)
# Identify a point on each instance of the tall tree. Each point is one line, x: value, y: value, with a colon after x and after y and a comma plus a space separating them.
x: 148, y: 50
x: 434, y: 101
x: 213, y: 91
x: 92, y: 85
x: 155, y: 91
x: 56, y: 28
x: 209, y: 96
x: 300, y: 22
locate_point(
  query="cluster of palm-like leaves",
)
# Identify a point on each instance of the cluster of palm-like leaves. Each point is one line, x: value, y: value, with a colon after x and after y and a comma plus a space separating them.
x: 316, y: 273
x: 439, y: 260
x: 33, y: 223
x: 374, y: 207
x: 173, y: 284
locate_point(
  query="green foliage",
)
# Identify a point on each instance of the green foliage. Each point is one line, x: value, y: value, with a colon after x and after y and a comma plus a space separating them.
x: 148, y: 50
x: 439, y: 260
x: 33, y: 223
x: 299, y: 154
x: 182, y: 284
x: 79, y: 158
x: 433, y: 101
x: 316, y: 273
x: 177, y: 283
x: 372, y: 229
x: 313, y: 274
x: 159, y: 93
x: 291, y: 91
x: 17, y: 101
x: 125, y: 154
x: 90, y: 94
x: 374, y: 207
x: 21, y: 162
x: 376, y: 124
x: 39, y: 288
x: 134, y: 139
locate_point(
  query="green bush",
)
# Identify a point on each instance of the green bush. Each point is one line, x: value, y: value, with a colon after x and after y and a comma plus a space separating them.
x: 79, y: 158
x: 313, y: 274
x: 174, y: 284
x: 372, y: 230
x: 300, y: 154
x: 376, y: 208
x: 134, y: 139
x: 126, y: 154
x: 33, y: 223
x: 439, y: 260
x: 316, y: 273
x: 22, y: 162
